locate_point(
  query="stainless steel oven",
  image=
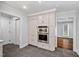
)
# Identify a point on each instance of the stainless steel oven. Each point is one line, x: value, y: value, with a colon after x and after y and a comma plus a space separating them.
x: 43, y: 34
x: 43, y: 29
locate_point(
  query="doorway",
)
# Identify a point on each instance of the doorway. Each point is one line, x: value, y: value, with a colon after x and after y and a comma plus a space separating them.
x: 10, y: 29
x: 64, y: 30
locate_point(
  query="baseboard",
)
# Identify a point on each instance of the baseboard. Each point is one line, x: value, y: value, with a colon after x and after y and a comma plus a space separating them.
x: 77, y: 51
x: 24, y: 45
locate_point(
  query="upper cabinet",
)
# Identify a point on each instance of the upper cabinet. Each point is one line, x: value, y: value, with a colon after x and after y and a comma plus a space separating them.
x: 43, y: 20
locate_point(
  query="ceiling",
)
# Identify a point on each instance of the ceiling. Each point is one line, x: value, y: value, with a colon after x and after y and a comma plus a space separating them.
x: 35, y: 6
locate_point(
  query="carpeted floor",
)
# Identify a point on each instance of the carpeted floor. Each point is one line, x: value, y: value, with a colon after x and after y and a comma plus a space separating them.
x: 11, y: 50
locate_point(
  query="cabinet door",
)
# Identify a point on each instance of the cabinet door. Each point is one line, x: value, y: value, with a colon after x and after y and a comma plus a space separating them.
x: 33, y: 30
x: 43, y: 20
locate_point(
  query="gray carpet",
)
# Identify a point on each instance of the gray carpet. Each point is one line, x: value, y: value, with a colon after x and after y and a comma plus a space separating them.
x: 11, y: 50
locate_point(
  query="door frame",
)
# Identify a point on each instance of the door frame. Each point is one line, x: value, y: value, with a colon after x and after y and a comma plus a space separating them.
x: 74, y: 33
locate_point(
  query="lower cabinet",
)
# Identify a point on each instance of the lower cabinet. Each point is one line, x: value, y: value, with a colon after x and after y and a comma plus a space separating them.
x: 65, y: 42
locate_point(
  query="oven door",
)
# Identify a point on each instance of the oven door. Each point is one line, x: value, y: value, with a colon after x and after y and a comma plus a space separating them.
x: 43, y: 38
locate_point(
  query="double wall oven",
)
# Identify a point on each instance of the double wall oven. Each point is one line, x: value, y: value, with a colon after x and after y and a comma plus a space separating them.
x: 43, y: 34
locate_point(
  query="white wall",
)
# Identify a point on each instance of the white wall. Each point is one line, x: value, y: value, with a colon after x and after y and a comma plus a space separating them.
x: 8, y: 30
x: 12, y: 33
x: 77, y: 31
x: 23, y: 22
x: 4, y: 22
x: 66, y: 14
x: 17, y: 31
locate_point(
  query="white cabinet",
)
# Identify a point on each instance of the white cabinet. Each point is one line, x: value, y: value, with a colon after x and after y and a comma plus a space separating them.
x: 34, y: 22
x: 44, y: 19
x: 33, y: 30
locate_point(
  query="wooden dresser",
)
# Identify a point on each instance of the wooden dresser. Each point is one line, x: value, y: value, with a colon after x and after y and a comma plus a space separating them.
x: 64, y: 42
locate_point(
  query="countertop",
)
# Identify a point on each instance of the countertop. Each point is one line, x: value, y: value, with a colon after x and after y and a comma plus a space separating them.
x: 64, y: 37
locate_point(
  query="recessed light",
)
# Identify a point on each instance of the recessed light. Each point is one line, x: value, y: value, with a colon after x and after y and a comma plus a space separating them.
x: 25, y: 7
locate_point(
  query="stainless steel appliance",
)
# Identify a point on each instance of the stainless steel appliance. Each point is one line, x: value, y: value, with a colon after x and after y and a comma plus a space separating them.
x: 43, y: 34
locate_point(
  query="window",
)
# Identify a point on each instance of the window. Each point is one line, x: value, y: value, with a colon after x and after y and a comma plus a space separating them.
x: 66, y: 30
